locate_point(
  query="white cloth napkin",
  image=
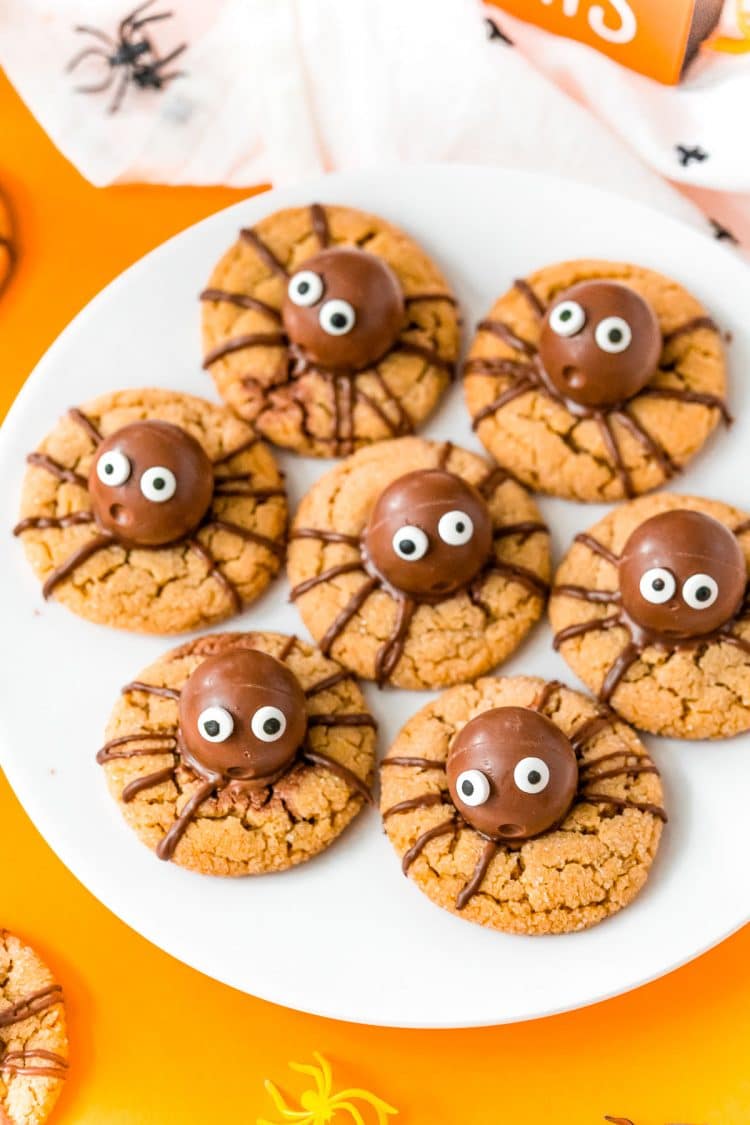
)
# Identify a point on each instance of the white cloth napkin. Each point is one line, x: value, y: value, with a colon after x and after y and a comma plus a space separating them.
x: 277, y: 90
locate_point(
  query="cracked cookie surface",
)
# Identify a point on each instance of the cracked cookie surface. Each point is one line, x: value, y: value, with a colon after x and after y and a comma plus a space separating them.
x: 235, y: 833
x: 33, y: 1036
x: 568, y: 878
x: 702, y: 691
x: 441, y: 643
x: 632, y: 447
x: 303, y: 406
x: 201, y: 579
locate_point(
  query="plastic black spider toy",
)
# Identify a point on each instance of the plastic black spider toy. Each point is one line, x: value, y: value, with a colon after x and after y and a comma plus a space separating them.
x: 131, y: 54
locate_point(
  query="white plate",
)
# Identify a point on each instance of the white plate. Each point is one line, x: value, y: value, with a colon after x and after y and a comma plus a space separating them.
x: 346, y: 935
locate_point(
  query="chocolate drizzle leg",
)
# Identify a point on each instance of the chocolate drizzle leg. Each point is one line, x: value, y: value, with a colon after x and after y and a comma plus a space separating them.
x: 422, y: 841
x: 167, y: 846
x: 467, y: 892
x: 30, y: 1005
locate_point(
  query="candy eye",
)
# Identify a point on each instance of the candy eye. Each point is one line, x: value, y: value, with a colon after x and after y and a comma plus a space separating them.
x: 700, y: 591
x: 337, y: 317
x: 158, y: 484
x: 113, y: 468
x: 613, y: 334
x: 531, y: 775
x: 215, y: 724
x: 268, y: 724
x: 657, y: 585
x: 456, y: 528
x: 567, y: 318
x: 410, y: 543
x: 305, y: 288
x: 472, y: 787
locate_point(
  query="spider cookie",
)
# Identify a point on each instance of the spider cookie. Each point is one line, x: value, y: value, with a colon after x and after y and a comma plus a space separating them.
x: 522, y: 805
x: 7, y: 252
x: 153, y: 511
x: 650, y: 610
x: 240, y: 753
x: 595, y: 380
x: 329, y: 329
x: 33, y: 1037
x: 417, y: 564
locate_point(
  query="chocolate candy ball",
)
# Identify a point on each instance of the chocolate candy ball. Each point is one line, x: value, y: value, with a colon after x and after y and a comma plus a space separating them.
x: 600, y: 343
x: 429, y: 534
x: 150, y: 483
x: 343, y: 309
x: 682, y: 574
x: 242, y: 718
x: 512, y: 773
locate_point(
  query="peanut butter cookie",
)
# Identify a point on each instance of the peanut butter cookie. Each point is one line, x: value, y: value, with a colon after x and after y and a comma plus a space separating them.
x: 595, y: 380
x: 329, y: 329
x: 418, y: 564
x: 33, y: 1036
x: 522, y: 805
x: 240, y: 753
x: 153, y: 511
x: 650, y: 610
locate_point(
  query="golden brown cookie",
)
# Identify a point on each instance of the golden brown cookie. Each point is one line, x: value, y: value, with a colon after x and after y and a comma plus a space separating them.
x: 33, y: 1036
x: 565, y: 878
x: 650, y: 610
x: 595, y: 380
x: 190, y: 744
x: 416, y: 563
x: 153, y: 511
x: 329, y: 329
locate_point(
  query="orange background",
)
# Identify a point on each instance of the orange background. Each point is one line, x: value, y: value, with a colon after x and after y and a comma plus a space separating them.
x: 153, y: 1041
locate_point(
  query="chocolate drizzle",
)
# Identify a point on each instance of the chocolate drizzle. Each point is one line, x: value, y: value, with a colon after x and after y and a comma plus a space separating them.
x: 214, y: 571
x: 319, y: 221
x: 319, y: 759
x: 527, y: 375
x: 76, y: 415
x: 151, y: 689
x: 150, y: 781
x: 467, y: 892
x: 422, y: 841
x: 42, y: 461
x: 31, y: 1005
x: 33, y: 1062
x: 166, y: 743
x: 264, y: 252
x: 241, y: 343
x: 74, y: 561
x: 241, y: 300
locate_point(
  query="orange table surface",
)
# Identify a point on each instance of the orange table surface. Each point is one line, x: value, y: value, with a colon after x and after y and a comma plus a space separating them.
x: 153, y: 1041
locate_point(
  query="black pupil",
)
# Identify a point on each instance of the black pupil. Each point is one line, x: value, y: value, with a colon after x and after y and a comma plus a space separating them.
x: 159, y: 483
x: 467, y: 788
x: 566, y: 314
x: 658, y: 584
x: 615, y: 335
x: 109, y: 468
x: 460, y: 526
x: 339, y: 320
x: 534, y: 777
x: 211, y: 728
x: 303, y: 287
x: 702, y: 594
x: 407, y: 546
x: 272, y: 726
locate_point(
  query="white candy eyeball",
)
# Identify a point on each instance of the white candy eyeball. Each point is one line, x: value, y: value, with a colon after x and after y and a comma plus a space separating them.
x: 337, y: 317
x: 613, y: 334
x: 158, y: 484
x: 531, y: 775
x: 567, y: 318
x: 268, y: 724
x: 700, y: 591
x: 456, y: 528
x: 410, y: 543
x: 305, y: 288
x: 113, y: 468
x: 657, y: 585
x: 472, y: 787
x: 215, y: 724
